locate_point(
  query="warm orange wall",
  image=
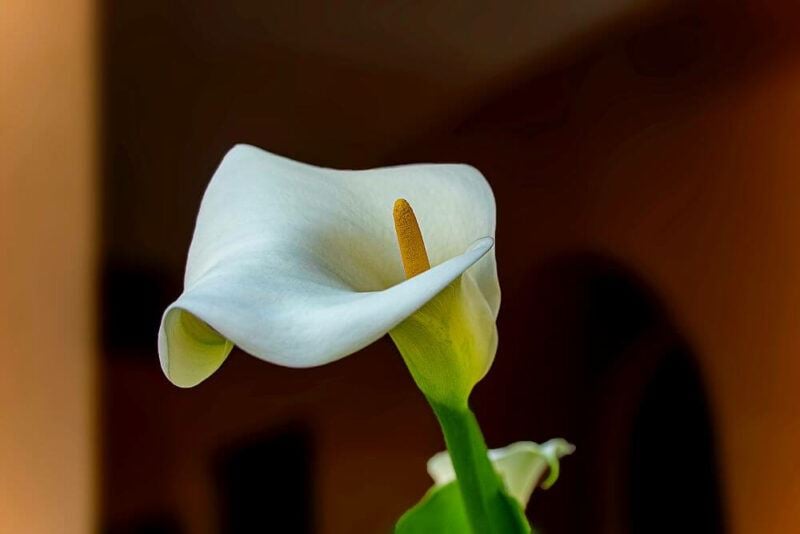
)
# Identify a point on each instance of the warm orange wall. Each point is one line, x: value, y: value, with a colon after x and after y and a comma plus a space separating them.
x: 720, y: 238
x: 46, y: 267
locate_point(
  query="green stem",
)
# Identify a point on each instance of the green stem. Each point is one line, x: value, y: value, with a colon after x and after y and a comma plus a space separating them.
x: 479, y: 484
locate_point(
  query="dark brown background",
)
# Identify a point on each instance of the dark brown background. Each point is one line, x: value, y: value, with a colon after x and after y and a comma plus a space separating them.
x: 643, y: 159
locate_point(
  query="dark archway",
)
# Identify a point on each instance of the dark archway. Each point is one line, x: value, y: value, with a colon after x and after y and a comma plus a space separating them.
x: 589, y: 352
x: 672, y: 477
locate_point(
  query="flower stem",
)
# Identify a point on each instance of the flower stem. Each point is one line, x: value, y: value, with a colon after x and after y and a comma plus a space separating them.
x: 481, y: 488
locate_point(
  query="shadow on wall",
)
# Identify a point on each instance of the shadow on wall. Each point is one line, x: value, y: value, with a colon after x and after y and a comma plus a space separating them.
x: 620, y: 381
x: 265, y: 484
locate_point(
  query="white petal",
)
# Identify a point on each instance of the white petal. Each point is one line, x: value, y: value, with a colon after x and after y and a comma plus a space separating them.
x: 299, y: 266
x: 522, y: 466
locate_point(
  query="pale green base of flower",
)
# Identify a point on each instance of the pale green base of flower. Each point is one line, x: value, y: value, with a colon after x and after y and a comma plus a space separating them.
x: 449, y: 343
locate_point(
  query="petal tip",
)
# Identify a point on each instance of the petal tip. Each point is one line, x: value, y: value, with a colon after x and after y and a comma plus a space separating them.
x: 484, y: 244
x: 189, y: 349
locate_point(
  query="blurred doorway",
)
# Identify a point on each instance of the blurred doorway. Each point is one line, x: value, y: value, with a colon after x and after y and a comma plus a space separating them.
x: 608, y: 369
x: 265, y: 484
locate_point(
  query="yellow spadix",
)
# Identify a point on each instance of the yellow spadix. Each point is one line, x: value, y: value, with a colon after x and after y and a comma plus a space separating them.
x: 409, y: 239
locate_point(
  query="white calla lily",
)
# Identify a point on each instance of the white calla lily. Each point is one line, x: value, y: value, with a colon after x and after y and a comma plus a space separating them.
x: 523, y: 466
x: 299, y: 265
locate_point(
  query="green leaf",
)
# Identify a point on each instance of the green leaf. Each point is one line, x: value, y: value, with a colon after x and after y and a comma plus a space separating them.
x: 441, y: 511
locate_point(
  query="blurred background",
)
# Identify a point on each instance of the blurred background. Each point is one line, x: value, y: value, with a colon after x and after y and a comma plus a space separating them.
x: 644, y: 159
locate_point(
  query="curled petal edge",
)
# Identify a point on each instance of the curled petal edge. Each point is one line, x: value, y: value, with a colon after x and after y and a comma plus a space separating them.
x: 201, y: 327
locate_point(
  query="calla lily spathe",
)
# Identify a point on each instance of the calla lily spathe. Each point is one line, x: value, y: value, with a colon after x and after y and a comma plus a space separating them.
x: 298, y: 265
x: 523, y: 466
